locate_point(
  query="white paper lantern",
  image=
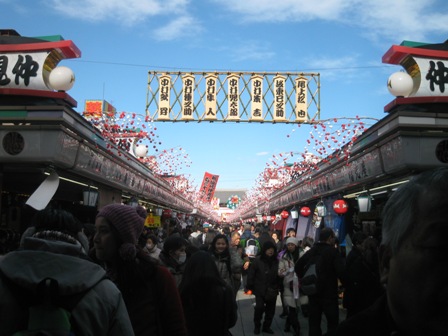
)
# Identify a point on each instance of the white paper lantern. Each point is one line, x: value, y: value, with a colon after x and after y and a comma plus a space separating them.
x: 61, y: 78
x: 140, y: 150
x: 400, y: 84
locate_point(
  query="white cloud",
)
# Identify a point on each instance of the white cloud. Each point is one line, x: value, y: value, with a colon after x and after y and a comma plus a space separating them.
x: 398, y: 19
x: 262, y: 153
x: 250, y: 51
x: 123, y: 12
x: 287, y: 10
x: 334, y: 68
x: 181, y: 26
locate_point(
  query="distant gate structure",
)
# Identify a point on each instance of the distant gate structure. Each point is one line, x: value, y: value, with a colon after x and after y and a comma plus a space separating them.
x: 272, y: 97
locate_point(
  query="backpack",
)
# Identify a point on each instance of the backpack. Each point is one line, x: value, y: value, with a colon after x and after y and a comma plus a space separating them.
x: 309, y: 281
x: 251, y: 248
x: 48, y: 312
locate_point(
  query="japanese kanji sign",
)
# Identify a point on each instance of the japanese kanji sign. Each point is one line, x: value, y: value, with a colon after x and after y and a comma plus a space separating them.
x: 208, y: 187
x: 27, y: 66
x: 427, y: 64
x: 233, y: 96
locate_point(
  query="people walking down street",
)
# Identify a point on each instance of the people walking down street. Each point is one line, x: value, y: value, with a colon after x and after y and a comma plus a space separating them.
x: 307, y: 243
x: 236, y: 247
x: 227, y: 260
x: 413, y: 263
x: 362, y: 285
x: 278, y: 243
x: 290, y: 232
x: 205, y: 238
x: 330, y: 269
x: 149, y: 290
x: 264, y: 236
x: 53, y: 257
x: 263, y: 280
x: 251, y: 247
x: 209, y: 304
x: 151, y: 246
x: 290, y: 284
x: 174, y: 255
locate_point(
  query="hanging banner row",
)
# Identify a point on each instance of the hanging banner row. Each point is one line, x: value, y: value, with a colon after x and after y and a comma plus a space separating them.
x: 252, y: 97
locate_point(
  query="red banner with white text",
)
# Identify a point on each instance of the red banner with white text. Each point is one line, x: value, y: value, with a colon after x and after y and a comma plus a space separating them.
x: 208, y: 187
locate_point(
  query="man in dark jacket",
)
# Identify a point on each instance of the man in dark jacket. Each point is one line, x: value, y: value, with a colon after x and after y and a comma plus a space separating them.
x: 330, y: 268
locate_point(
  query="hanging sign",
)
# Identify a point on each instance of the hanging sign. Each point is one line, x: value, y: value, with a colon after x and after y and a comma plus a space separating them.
x: 279, y: 98
x: 233, y: 97
x: 256, y: 113
x: 188, y: 97
x: 210, y: 97
x: 164, y: 97
x: 301, y: 107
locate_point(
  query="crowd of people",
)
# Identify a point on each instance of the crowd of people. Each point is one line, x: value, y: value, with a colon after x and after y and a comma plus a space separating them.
x: 126, y: 279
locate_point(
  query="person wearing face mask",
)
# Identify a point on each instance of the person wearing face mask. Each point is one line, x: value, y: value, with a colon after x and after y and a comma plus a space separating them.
x: 174, y: 256
x: 149, y: 290
x: 151, y: 246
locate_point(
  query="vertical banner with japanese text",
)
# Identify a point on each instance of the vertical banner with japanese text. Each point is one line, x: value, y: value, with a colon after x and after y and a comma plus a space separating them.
x: 257, y: 98
x: 301, y: 99
x: 188, y: 97
x: 210, y: 97
x: 279, y: 98
x: 164, y: 97
x: 208, y: 187
x: 233, y: 97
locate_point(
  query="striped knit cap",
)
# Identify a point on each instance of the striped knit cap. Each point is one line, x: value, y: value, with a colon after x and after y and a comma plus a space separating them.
x: 129, y: 225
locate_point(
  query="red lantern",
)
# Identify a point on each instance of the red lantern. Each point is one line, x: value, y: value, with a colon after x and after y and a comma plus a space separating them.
x: 264, y: 218
x: 305, y: 211
x: 340, y: 206
x: 272, y: 218
x: 284, y: 214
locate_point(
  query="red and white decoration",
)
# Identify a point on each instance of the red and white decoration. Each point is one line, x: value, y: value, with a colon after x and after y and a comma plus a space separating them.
x: 340, y: 206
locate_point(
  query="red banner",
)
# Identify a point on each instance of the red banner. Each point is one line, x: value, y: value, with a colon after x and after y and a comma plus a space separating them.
x: 208, y: 187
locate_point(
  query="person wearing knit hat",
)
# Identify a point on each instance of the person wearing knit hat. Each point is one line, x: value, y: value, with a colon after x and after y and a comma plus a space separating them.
x: 54, y: 250
x: 118, y: 228
x: 129, y: 226
x: 290, y: 293
x: 262, y: 280
x: 292, y: 240
x: 141, y: 211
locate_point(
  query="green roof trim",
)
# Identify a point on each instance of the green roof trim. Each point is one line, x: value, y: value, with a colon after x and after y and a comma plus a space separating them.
x: 51, y: 38
x: 413, y: 44
x: 13, y: 114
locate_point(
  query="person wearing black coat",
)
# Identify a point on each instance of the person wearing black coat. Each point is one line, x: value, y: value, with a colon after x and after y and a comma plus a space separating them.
x: 263, y: 280
x: 330, y: 268
x: 209, y: 303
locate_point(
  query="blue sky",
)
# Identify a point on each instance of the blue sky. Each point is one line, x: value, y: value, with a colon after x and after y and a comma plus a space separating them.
x: 121, y: 41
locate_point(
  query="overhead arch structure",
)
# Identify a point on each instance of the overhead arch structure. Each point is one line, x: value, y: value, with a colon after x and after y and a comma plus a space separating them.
x: 268, y: 97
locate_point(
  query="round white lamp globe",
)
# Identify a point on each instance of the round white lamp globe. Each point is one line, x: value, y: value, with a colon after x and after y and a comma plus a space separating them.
x: 140, y: 150
x: 61, y: 78
x: 400, y: 84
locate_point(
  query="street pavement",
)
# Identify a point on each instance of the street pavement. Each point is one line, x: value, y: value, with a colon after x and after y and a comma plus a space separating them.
x: 245, y: 325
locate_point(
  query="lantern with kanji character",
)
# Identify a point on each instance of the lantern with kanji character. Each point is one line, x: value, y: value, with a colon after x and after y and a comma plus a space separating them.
x: 305, y: 211
x: 284, y: 214
x: 272, y: 218
x: 340, y: 206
